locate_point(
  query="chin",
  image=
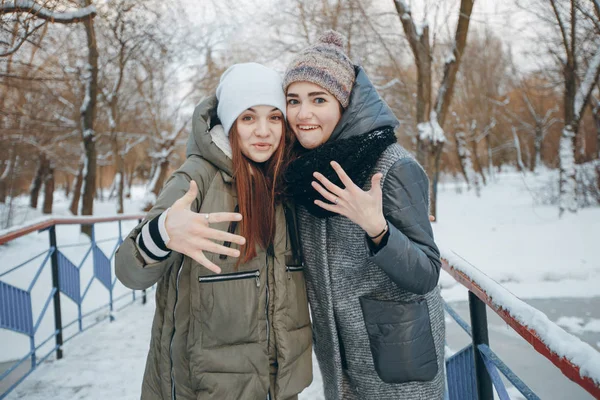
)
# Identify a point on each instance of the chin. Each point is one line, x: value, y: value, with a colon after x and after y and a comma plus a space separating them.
x: 309, y: 145
x: 261, y: 158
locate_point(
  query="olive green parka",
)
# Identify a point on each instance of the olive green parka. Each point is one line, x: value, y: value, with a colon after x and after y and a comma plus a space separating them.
x: 241, y: 334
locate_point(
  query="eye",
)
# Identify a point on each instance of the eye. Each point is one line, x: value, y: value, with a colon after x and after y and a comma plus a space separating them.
x: 277, y: 117
x: 293, y: 102
x: 320, y: 100
x: 247, y: 118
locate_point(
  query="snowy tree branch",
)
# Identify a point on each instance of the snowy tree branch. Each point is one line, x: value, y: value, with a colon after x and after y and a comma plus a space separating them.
x: 585, y: 89
x: 561, y: 25
x: 453, y: 62
x: 32, y: 8
x: 409, y: 25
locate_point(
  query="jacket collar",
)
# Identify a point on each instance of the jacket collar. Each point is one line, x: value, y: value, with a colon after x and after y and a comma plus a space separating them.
x: 366, y: 112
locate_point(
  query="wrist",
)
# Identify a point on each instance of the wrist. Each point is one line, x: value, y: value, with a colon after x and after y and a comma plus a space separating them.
x: 377, y: 229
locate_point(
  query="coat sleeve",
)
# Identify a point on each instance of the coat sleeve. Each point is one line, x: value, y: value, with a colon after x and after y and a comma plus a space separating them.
x: 410, y: 257
x: 130, y: 267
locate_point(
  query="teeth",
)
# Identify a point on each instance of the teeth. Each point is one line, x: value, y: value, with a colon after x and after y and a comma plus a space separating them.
x: 308, y: 127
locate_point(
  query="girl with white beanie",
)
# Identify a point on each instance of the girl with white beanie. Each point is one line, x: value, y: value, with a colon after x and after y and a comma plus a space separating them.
x: 231, y: 317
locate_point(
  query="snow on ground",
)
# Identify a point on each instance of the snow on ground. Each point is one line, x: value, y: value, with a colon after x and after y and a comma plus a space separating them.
x: 516, y: 241
x: 107, y: 362
x: 505, y: 233
x: 578, y: 325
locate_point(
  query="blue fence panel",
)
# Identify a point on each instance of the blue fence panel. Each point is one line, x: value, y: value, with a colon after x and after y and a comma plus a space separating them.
x: 460, y: 373
x: 102, y: 268
x: 495, y: 376
x: 69, y: 278
x: 15, y: 309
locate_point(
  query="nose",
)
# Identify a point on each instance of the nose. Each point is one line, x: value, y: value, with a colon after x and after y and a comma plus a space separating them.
x: 305, y: 112
x: 262, y: 128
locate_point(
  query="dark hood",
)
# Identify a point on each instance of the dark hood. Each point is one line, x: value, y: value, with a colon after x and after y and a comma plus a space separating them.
x: 366, y: 111
x: 200, y: 141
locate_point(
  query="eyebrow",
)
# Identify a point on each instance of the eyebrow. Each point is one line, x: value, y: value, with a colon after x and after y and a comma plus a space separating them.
x: 253, y: 110
x: 311, y: 94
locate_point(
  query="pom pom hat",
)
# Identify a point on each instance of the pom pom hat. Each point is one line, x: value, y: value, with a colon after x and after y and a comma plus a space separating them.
x: 324, y: 64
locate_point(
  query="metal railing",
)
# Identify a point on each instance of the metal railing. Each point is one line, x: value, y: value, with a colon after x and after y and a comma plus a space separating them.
x: 472, y: 373
x: 17, y: 303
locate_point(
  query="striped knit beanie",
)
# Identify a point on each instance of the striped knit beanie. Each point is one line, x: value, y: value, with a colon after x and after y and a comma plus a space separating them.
x: 324, y: 64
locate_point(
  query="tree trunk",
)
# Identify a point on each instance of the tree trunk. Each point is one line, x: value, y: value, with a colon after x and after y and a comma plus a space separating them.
x: 48, y: 190
x: 38, y: 180
x: 568, y: 185
x: 120, y: 173
x: 517, y: 144
x: 77, y: 191
x: 537, y: 146
x: 476, y: 160
x: 7, y: 174
x: 67, y: 185
x: 488, y: 143
x: 435, y: 155
x: 88, y: 111
x: 596, y: 115
x: 461, y: 152
x: 157, y: 182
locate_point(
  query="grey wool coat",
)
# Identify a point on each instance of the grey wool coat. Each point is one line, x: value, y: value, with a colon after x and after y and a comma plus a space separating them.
x: 378, y: 321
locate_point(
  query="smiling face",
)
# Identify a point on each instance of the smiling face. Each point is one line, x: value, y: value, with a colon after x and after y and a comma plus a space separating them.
x: 312, y: 113
x: 259, y: 131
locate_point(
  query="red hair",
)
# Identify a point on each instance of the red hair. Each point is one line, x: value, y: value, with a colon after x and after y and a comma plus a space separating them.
x: 259, y: 188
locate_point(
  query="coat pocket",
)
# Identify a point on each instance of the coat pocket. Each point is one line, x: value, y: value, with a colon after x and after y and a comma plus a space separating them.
x: 229, y: 308
x: 401, y: 340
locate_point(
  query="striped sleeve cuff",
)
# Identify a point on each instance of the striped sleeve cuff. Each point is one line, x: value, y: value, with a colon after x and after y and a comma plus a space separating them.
x: 153, y: 238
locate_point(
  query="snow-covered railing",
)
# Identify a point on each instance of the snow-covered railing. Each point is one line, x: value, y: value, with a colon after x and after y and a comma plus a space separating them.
x: 577, y: 360
x: 6, y: 235
x: 24, y: 313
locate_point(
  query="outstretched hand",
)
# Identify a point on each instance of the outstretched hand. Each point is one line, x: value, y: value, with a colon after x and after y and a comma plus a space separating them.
x: 190, y: 233
x: 364, y: 208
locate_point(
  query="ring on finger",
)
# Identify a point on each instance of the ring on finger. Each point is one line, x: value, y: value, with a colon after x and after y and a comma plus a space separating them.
x: 336, y: 201
x: 206, y: 217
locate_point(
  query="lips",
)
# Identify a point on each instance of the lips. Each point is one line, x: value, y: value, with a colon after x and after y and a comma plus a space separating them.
x: 262, y: 146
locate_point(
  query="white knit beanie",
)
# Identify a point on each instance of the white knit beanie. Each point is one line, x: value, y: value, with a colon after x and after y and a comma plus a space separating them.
x: 246, y: 85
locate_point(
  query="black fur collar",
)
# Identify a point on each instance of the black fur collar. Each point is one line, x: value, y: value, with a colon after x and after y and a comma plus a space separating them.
x: 357, y: 155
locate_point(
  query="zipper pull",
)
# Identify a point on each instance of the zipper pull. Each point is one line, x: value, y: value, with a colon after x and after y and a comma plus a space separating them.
x: 257, y: 279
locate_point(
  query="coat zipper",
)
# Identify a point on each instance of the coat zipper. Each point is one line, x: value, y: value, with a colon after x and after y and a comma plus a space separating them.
x: 267, y: 302
x: 232, y: 277
x: 294, y: 268
x: 173, y: 392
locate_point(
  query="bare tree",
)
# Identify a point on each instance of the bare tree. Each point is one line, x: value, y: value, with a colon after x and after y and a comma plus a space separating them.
x: 88, y: 114
x: 576, y: 93
x: 125, y: 37
x: 430, y: 115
